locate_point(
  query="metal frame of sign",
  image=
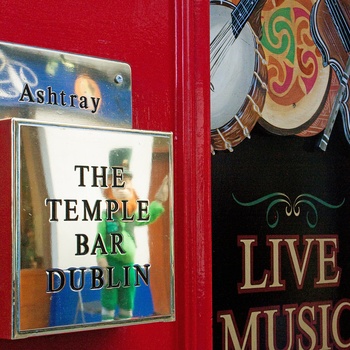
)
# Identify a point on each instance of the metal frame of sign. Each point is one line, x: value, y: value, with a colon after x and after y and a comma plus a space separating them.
x: 67, y: 222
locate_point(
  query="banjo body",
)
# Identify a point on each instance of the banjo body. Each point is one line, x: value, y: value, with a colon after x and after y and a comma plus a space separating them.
x: 238, y: 87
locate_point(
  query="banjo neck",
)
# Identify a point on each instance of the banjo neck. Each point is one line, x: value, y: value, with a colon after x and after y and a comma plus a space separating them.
x: 240, y: 15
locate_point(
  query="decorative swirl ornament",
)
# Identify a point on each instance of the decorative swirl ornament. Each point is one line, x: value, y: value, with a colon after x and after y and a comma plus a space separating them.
x: 291, y: 207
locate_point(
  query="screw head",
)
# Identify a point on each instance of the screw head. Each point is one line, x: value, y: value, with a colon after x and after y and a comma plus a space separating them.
x: 118, y: 79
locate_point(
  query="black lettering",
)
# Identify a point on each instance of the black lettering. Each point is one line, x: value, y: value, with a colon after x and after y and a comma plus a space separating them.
x: 52, y: 96
x: 40, y: 96
x: 55, y: 285
x: 116, y: 241
x: 125, y: 212
x: 143, y: 274
x: 112, y: 207
x: 82, y: 244
x: 71, y: 209
x: 72, y: 278
x: 95, y: 102
x: 110, y: 278
x: 99, y: 244
x: 103, y: 176
x: 62, y: 95
x: 72, y: 97
x: 53, y: 208
x: 143, y: 208
x: 96, y: 212
x: 83, y: 102
x: 96, y: 278
x: 126, y: 276
x: 26, y: 93
x: 82, y: 168
x: 117, y: 180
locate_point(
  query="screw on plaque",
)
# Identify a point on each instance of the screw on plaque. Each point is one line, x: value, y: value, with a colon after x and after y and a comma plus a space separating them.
x: 119, y: 79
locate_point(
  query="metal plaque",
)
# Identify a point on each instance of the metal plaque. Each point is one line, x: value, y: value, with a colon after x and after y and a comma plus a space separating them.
x: 56, y: 86
x: 91, y: 198
x: 93, y: 227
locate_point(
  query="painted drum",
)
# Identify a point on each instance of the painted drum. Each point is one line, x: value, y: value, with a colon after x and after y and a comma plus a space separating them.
x: 298, y: 83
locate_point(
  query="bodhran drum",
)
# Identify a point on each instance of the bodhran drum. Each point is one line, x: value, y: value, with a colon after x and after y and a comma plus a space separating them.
x: 237, y: 79
x: 298, y: 82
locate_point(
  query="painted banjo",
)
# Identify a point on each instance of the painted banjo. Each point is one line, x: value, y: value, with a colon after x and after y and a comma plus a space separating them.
x: 238, y: 72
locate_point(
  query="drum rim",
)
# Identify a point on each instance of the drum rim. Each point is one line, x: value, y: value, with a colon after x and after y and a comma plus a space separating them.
x: 302, y: 127
x: 223, y: 3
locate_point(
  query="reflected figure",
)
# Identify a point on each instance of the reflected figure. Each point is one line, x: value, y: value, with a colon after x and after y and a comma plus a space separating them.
x: 116, y: 230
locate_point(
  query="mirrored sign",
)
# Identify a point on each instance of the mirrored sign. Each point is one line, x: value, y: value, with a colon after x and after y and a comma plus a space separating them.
x: 93, y: 227
x: 56, y: 86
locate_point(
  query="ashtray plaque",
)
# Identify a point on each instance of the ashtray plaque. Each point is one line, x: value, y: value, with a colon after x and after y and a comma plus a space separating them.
x: 62, y: 87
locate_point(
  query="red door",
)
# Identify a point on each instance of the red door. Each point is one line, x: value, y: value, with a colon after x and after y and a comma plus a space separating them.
x: 166, y: 44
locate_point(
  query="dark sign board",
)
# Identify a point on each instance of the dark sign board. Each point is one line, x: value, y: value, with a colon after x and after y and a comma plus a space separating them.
x: 280, y: 175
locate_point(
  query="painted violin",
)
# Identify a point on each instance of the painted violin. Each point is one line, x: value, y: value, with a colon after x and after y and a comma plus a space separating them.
x: 330, y: 29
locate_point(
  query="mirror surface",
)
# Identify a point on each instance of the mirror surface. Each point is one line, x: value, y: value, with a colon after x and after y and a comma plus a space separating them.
x: 94, y: 227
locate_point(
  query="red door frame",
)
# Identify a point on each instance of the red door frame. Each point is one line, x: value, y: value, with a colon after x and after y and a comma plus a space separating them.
x: 167, y: 46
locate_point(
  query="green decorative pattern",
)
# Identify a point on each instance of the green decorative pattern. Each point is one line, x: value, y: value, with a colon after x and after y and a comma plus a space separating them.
x: 279, y: 37
x: 291, y: 207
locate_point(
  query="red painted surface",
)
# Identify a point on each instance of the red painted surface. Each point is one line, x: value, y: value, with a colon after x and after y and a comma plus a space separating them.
x: 6, y: 239
x: 167, y: 45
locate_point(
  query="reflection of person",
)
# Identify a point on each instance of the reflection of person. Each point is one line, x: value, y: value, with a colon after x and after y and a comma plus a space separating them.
x: 123, y: 297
